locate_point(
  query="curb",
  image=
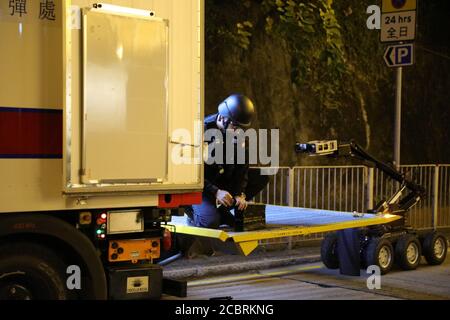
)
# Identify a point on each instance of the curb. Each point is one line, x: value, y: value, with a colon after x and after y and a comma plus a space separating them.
x: 227, y: 268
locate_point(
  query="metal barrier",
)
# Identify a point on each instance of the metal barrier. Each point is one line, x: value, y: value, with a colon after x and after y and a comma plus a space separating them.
x: 442, y: 201
x: 358, y: 188
x: 331, y: 188
x: 420, y: 216
x: 277, y: 191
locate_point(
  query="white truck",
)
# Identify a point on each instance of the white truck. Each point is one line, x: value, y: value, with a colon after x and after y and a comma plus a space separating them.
x: 90, y: 94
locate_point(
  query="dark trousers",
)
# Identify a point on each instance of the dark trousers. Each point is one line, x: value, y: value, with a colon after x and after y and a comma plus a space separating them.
x: 207, y: 215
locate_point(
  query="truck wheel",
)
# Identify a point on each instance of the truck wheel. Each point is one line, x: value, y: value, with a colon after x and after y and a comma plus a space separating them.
x: 379, y: 252
x: 408, y: 252
x: 435, y: 248
x: 328, y: 251
x: 31, y: 272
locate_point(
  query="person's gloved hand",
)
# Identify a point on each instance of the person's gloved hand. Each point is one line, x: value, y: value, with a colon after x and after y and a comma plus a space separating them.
x: 224, y: 198
x: 241, y: 203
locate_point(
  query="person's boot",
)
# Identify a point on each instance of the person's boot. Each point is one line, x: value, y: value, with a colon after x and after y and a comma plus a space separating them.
x: 189, y: 212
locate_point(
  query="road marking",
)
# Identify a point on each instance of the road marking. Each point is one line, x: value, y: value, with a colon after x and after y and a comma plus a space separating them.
x: 252, y: 276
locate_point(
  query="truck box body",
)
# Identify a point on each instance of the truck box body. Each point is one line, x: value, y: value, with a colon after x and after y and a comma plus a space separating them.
x: 83, y: 126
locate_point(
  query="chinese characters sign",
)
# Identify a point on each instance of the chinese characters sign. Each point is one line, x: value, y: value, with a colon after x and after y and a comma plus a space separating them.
x: 20, y: 8
x: 397, y: 24
x: 47, y: 10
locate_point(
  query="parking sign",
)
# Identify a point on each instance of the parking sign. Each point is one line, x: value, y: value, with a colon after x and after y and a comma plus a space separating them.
x: 399, y: 55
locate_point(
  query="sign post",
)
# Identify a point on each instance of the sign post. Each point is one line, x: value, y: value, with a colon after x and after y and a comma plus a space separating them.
x: 398, y: 25
x: 398, y: 116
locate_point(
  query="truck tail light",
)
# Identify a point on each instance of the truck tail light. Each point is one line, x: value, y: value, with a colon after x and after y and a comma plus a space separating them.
x: 101, y: 226
x: 167, y: 240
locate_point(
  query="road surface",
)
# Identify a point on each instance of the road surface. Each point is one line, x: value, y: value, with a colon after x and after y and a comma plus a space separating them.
x: 314, y: 281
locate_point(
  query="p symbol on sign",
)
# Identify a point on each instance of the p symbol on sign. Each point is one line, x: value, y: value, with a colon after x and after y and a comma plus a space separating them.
x: 402, y: 55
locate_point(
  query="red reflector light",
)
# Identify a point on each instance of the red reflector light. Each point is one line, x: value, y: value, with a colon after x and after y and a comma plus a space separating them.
x: 167, y: 240
x: 177, y: 200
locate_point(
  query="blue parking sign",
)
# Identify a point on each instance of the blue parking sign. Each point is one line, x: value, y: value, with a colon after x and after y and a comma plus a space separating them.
x: 399, y: 55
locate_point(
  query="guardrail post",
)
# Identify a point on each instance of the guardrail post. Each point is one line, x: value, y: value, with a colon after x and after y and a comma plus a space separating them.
x: 435, y: 197
x: 291, y: 187
x: 370, y: 172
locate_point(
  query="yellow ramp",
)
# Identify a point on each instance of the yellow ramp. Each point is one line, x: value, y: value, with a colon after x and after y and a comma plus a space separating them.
x: 287, y: 222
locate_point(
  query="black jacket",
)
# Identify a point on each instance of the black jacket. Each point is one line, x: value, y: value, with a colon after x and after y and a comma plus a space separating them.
x: 229, y: 177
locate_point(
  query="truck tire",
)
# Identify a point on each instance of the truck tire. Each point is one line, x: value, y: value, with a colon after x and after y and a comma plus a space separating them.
x: 379, y: 252
x: 30, y: 271
x: 79, y: 249
x: 435, y: 248
x: 408, y: 252
x: 328, y: 251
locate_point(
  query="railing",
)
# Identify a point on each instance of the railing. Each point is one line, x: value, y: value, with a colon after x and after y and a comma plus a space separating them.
x: 358, y: 188
x: 421, y: 215
x: 277, y: 191
x: 331, y: 188
x: 443, y: 200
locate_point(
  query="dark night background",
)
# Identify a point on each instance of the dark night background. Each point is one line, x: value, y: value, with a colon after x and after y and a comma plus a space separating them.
x: 315, y: 71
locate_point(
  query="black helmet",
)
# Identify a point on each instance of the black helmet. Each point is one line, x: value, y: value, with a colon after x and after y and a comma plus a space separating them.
x: 239, y: 109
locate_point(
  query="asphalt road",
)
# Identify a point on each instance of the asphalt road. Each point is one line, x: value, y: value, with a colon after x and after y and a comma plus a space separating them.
x: 314, y: 281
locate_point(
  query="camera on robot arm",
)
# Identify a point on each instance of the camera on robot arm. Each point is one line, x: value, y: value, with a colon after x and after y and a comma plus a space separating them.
x: 318, y: 148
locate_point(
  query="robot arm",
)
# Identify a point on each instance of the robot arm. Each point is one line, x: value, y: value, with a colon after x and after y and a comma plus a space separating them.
x: 396, y: 204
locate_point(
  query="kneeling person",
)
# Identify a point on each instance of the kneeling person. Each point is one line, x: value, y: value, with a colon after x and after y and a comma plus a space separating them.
x: 229, y: 184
